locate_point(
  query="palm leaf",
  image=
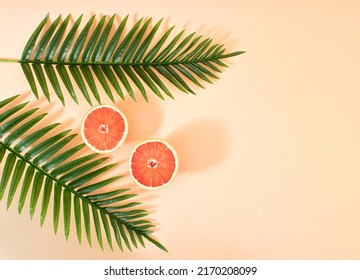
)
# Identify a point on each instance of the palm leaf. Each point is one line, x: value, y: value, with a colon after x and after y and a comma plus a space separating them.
x: 136, y: 60
x: 40, y: 168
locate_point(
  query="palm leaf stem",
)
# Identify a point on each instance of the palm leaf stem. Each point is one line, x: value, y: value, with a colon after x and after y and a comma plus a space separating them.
x: 12, y: 60
x: 119, y: 63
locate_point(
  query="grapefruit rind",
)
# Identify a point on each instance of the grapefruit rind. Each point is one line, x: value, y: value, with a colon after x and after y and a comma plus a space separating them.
x: 119, y: 143
x: 175, y: 170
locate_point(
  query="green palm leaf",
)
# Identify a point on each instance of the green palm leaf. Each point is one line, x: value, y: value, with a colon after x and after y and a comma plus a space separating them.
x: 122, y: 61
x: 40, y: 168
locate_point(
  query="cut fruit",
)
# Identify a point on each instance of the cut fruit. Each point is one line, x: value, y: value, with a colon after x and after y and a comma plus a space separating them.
x: 153, y: 164
x: 104, y: 128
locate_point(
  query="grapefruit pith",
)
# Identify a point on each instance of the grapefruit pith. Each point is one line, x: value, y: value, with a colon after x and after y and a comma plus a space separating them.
x: 104, y: 128
x: 153, y: 164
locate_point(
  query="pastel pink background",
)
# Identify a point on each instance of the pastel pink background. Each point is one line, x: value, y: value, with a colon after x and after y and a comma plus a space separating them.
x: 269, y: 154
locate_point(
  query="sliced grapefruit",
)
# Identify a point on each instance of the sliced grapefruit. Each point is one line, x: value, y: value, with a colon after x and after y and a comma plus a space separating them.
x: 153, y: 164
x: 104, y: 128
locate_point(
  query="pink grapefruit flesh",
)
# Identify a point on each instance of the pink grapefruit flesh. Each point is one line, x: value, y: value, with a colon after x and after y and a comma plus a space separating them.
x: 104, y: 128
x: 153, y: 164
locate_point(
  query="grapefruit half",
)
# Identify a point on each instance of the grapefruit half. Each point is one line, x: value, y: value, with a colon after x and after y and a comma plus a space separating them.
x: 104, y: 128
x: 153, y: 164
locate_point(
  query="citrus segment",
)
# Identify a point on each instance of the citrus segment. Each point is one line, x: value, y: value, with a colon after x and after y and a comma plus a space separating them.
x: 153, y: 164
x: 104, y: 128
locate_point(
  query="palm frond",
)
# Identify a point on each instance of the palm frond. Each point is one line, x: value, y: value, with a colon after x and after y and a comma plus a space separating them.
x: 120, y: 61
x: 41, y: 169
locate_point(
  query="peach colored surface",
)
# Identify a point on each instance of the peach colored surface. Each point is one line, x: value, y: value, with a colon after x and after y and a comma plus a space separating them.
x: 269, y: 154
